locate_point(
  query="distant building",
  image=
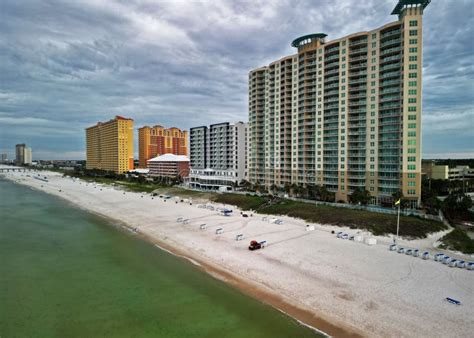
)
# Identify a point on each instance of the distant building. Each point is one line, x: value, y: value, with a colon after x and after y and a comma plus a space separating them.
x: 169, y: 165
x: 218, y: 156
x: 110, y: 145
x: 444, y: 172
x: 23, y: 154
x: 4, y: 158
x: 157, y: 140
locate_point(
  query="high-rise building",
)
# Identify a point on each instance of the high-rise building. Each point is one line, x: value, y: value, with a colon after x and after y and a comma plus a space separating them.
x: 157, y: 140
x: 218, y: 155
x: 23, y: 154
x: 110, y: 145
x: 345, y: 113
x: 4, y: 157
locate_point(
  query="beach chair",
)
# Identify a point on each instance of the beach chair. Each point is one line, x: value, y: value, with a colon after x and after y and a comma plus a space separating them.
x: 453, y: 301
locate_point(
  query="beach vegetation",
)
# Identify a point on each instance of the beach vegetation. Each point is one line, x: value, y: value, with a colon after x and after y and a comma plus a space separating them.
x: 458, y: 240
x: 376, y: 223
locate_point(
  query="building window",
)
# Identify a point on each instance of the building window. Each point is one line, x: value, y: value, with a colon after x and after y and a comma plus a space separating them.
x: 411, y: 133
x: 413, y: 58
x: 413, y: 50
x: 413, y: 32
x: 411, y: 100
x: 413, y: 23
x: 412, y: 91
x: 412, y: 67
x: 412, y: 75
x: 412, y: 109
x: 413, y: 41
x: 374, y: 35
x: 411, y: 150
x: 411, y: 167
x: 412, y: 125
x: 412, y: 142
x: 411, y: 117
x: 411, y: 175
x: 411, y: 159
x: 412, y: 84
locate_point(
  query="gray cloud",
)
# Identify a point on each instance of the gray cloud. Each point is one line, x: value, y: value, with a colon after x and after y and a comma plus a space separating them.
x: 66, y: 65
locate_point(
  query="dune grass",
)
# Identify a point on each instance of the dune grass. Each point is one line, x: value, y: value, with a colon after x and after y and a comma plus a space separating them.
x: 377, y: 223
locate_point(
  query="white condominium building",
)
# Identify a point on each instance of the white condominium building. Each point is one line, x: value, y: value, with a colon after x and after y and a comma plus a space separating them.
x: 218, y: 155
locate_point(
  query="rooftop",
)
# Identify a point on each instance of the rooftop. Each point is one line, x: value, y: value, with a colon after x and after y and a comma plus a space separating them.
x: 409, y: 3
x: 169, y: 158
x: 302, y: 40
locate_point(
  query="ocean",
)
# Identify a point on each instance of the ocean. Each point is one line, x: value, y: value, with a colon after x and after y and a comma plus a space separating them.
x: 65, y: 272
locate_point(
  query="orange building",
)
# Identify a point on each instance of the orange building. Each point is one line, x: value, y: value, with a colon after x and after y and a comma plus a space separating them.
x: 157, y: 140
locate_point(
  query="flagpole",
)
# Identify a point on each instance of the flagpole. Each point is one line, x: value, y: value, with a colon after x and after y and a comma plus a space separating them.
x: 398, y: 221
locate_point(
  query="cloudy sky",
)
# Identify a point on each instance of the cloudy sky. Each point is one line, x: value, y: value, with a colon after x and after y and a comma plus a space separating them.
x: 64, y: 65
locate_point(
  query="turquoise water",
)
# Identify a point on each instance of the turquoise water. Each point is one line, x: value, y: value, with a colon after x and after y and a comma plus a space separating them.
x: 67, y: 273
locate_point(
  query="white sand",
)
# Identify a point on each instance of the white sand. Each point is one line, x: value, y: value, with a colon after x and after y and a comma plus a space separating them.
x: 367, y: 289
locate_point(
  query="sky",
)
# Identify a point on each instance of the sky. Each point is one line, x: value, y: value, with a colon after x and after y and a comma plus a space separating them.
x: 65, y: 65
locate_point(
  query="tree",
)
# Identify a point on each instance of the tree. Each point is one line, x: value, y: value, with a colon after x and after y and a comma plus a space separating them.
x: 246, y: 185
x: 360, y: 197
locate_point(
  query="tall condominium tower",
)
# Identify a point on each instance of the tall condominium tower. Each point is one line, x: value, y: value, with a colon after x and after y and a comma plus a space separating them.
x: 23, y: 154
x: 343, y: 114
x: 110, y: 145
x: 218, y: 155
x: 157, y: 140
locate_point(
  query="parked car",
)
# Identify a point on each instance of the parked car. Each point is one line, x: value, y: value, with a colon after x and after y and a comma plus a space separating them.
x: 254, y: 245
x: 401, y: 250
x: 409, y: 252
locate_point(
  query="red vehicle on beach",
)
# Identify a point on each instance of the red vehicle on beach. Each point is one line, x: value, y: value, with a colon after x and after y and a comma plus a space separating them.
x: 254, y: 245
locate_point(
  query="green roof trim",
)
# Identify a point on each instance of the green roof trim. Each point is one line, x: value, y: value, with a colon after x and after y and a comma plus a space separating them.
x: 296, y: 42
x: 402, y: 3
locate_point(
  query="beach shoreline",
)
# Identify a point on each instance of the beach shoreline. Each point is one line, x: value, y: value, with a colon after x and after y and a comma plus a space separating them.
x: 286, y: 298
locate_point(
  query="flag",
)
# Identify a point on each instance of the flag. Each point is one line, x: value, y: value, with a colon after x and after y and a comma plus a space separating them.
x: 397, y: 202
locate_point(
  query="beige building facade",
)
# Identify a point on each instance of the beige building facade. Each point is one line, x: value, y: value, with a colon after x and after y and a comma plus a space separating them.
x: 344, y: 113
x: 110, y: 145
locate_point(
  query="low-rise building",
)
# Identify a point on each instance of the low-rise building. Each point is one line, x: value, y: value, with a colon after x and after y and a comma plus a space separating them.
x: 169, y: 165
x: 218, y: 156
x: 444, y: 172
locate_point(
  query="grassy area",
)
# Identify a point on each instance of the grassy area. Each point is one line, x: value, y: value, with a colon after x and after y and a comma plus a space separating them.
x: 458, y: 240
x: 377, y: 223
x: 244, y: 202
x: 148, y: 187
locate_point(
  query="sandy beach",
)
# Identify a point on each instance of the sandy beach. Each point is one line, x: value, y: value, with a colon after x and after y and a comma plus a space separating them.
x: 339, y: 286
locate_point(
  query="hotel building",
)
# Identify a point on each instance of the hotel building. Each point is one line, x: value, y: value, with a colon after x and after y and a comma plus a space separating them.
x: 169, y: 165
x: 344, y: 113
x: 157, y: 140
x: 23, y: 154
x: 218, y: 155
x: 110, y: 145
